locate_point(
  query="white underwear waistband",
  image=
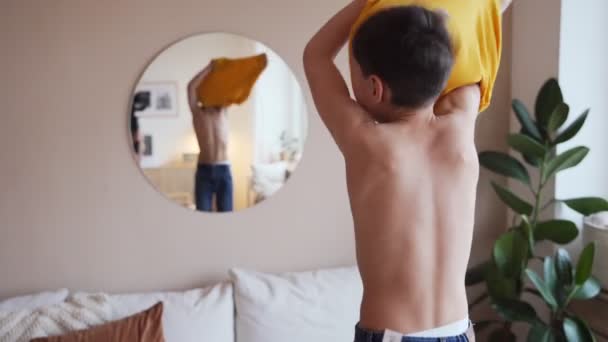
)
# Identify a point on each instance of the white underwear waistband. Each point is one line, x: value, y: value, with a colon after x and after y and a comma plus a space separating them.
x: 448, y: 330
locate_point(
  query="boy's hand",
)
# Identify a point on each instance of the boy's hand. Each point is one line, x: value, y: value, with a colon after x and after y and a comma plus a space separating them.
x: 333, y: 35
x: 193, y: 87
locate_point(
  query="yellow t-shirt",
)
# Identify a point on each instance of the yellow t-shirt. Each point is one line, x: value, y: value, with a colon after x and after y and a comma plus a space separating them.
x: 475, y: 27
x: 230, y: 81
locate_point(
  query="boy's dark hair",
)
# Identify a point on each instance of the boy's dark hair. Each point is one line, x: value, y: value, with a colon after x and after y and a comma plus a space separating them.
x: 410, y: 49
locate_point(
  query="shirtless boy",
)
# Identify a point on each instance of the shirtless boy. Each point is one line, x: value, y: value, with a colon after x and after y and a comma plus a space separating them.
x: 213, y: 173
x: 411, y: 166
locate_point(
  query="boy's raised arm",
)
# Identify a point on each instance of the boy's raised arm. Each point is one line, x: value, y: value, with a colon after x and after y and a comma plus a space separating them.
x: 340, y: 113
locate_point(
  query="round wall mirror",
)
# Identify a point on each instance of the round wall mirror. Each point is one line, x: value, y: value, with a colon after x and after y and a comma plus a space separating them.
x: 218, y: 122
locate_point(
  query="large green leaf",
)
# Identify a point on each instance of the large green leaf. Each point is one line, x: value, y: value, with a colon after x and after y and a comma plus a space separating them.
x: 525, y: 119
x: 563, y: 266
x: 549, y: 97
x: 515, y: 310
x: 521, y: 253
x: 511, y: 253
x: 505, y: 165
x: 542, y: 287
x: 539, y: 332
x: 558, y: 231
x: 576, y: 330
x: 526, y: 145
x: 513, y: 201
x: 572, y: 130
x: 558, y: 117
x: 566, y: 160
x: 589, y: 290
x: 527, y: 229
x: 585, y: 264
x: 503, y: 253
x: 475, y: 274
x: 551, y: 280
x: 587, y: 205
x: 499, y: 285
x: 550, y: 274
x: 531, y: 160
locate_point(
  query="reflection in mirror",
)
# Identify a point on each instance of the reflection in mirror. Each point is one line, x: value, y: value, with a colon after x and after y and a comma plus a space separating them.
x: 218, y: 122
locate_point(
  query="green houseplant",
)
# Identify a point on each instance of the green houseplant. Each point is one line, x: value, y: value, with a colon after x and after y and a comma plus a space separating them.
x: 507, y: 274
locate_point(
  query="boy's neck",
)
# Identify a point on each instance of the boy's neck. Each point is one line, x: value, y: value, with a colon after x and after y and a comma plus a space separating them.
x: 409, y: 115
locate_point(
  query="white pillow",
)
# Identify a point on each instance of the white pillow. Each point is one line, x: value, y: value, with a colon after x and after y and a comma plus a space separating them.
x: 271, y: 172
x: 34, y: 301
x: 192, y: 316
x: 320, y: 306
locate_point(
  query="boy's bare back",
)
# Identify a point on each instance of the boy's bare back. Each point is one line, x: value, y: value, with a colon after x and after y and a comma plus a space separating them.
x: 412, y: 188
x: 210, y: 124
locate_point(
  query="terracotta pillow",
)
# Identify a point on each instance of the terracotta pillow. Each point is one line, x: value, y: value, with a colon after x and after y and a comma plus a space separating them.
x: 145, y: 326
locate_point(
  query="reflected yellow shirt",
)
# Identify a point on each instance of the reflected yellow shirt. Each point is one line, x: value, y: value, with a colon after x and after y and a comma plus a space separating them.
x: 230, y: 81
x: 476, y: 30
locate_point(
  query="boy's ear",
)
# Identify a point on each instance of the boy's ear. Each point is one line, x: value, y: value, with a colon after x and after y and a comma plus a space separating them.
x: 378, y: 89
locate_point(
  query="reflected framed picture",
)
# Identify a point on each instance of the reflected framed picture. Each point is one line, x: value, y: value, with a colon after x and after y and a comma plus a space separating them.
x: 156, y: 99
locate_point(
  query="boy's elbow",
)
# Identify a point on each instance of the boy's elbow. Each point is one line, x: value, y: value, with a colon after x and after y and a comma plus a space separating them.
x: 308, y: 55
x: 309, y: 58
x: 313, y: 57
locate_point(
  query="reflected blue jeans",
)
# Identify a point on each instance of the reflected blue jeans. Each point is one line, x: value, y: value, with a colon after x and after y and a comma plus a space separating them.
x: 213, y: 179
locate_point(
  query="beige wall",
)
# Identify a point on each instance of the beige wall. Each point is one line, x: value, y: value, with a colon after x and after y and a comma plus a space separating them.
x: 75, y: 210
